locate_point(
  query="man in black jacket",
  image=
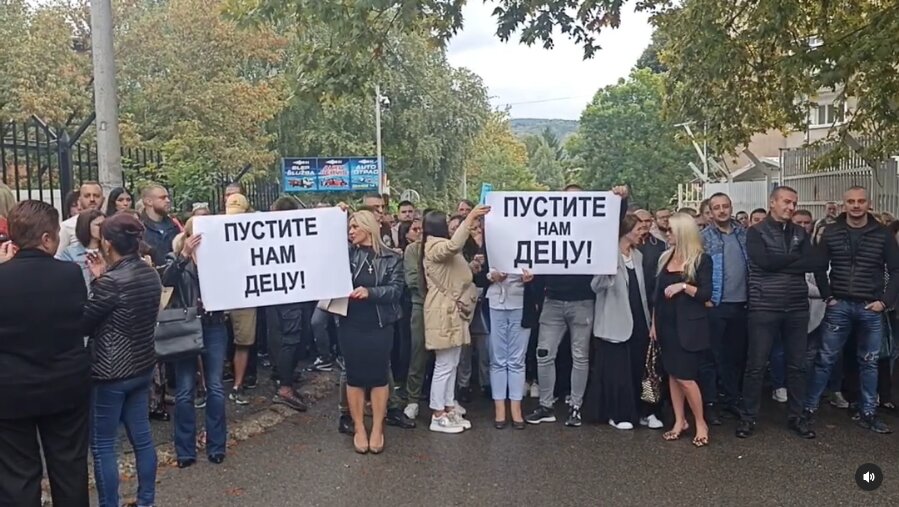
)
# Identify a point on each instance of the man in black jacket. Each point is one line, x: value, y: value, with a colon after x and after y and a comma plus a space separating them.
x: 44, y: 366
x: 859, y: 252
x: 779, y: 256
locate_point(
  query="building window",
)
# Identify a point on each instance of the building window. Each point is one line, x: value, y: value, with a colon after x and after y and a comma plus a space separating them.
x: 826, y: 115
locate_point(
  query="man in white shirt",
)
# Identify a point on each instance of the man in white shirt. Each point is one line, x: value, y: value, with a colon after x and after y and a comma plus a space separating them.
x: 90, y: 196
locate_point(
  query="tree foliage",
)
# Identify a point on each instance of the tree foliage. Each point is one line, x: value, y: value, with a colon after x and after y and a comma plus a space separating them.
x: 746, y: 67
x: 499, y: 158
x: 46, y: 72
x: 623, y: 139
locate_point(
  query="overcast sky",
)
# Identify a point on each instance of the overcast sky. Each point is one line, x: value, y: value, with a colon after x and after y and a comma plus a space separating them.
x: 539, y: 83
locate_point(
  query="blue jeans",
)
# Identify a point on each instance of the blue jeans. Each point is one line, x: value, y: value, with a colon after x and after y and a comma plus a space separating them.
x: 835, y: 384
x: 126, y: 402
x: 839, y: 322
x: 215, y: 345
x: 508, y: 349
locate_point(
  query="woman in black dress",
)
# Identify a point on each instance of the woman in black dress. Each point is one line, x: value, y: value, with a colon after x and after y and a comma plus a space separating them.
x: 621, y: 328
x: 366, y: 333
x: 680, y: 321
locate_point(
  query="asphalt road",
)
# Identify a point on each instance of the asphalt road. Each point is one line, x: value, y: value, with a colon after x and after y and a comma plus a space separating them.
x: 304, y: 461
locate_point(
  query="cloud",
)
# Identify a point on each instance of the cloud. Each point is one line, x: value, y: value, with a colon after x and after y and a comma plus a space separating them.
x: 540, y: 83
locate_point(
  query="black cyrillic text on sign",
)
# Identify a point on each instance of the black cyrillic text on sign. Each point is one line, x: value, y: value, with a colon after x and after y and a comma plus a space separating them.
x: 561, y: 252
x: 259, y: 284
x: 555, y: 206
x: 272, y: 228
x: 265, y: 255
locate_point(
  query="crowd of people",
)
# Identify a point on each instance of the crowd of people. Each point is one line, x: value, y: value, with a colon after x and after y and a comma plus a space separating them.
x: 705, y: 309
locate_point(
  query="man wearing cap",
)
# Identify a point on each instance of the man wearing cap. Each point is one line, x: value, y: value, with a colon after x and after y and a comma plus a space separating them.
x: 243, y: 320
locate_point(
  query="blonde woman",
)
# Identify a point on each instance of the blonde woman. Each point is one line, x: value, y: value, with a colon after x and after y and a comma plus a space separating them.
x: 366, y: 333
x: 181, y: 273
x: 680, y: 321
x: 449, y: 306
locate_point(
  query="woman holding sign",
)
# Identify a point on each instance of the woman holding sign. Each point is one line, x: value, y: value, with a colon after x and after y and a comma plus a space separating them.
x: 681, y: 322
x: 450, y: 302
x: 621, y: 327
x: 366, y: 333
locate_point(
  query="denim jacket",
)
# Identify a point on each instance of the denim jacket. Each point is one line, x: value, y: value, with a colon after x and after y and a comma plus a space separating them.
x: 713, y: 243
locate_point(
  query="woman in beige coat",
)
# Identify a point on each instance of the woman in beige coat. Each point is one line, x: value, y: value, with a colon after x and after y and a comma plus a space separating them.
x: 450, y: 301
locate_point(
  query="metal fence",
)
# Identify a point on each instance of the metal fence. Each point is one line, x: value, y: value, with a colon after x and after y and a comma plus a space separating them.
x: 40, y: 162
x: 816, y: 187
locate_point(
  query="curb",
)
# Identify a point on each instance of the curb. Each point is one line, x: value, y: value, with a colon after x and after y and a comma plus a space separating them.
x: 266, y: 415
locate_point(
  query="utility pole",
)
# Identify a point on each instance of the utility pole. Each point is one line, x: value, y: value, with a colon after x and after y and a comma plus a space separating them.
x: 109, y: 150
x: 378, y: 136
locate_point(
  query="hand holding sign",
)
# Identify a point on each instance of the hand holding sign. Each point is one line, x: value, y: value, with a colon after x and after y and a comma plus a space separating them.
x: 359, y: 293
x: 190, y: 246
x: 526, y: 276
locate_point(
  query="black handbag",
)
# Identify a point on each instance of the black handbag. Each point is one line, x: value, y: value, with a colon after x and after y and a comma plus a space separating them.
x: 179, y: 332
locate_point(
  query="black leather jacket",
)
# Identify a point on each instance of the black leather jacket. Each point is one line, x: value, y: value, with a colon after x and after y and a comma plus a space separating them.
x: 120, y: 318
x: 181, y: 274
x: 387, y: 292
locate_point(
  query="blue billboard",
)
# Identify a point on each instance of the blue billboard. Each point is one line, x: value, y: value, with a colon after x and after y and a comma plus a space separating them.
x: 334, y: 174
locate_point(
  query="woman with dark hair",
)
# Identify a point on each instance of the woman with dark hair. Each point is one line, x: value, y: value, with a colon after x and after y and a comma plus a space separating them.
x: 621, y: 322
x: 409, y: 232
x: 366, y: 332
x: 119, y: 200
x: 71, y: 207
x: 449, y: 306
x: 120, y: 318
x: 45, y: 374
x: 87, y: 230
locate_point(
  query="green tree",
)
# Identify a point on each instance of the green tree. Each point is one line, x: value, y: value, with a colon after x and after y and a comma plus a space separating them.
x: 499, y: 158
x: 650, y: 59
x: 195, y: 85
x: 624, y: 139
x: 46, y: 71
x: 747, y: 67
x: 435, y: 112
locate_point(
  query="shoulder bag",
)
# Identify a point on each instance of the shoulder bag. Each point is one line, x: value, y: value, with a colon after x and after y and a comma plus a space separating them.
x: 179, y: 332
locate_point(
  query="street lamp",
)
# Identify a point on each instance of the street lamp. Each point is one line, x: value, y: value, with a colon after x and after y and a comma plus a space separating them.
x: 380, y: 101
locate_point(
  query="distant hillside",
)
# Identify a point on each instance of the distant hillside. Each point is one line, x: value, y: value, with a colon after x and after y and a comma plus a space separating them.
x: 534, y: 126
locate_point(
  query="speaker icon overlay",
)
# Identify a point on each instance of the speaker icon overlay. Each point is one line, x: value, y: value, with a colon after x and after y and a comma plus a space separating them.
x: 869, y: 477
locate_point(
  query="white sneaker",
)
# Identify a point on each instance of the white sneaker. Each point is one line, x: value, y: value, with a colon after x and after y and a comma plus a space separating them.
x: 779, y: 395
x: 535, y: 391
x: 652, y: 422
x: 838, y: 400
x: 459, y: 409
x: 444, y: 424
x: 621, y: 426
x: 411, y: 410
x: 457, y: 418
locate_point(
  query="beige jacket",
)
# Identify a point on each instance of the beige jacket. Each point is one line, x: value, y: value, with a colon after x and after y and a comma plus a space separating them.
x: 449, y: 280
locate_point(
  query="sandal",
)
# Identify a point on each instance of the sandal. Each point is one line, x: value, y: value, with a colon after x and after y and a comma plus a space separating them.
x: 379, y: 449
x: 360, y: 449
x: 673, y: 435
x: 700, y: 441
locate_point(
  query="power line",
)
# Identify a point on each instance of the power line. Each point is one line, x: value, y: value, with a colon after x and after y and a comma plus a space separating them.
x: 540, y: 101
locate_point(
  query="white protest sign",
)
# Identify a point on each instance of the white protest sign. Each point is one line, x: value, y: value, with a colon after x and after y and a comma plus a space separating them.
x: 553, y: 233
x: 279, y: 257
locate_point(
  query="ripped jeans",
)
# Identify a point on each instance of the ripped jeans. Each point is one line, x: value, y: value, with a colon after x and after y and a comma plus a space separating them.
x: 839, y: 322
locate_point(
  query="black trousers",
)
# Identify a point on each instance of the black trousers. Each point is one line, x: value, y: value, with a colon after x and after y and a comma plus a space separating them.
x: 764, y: 328
x: 721, y: 372
x: 64, y: 439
